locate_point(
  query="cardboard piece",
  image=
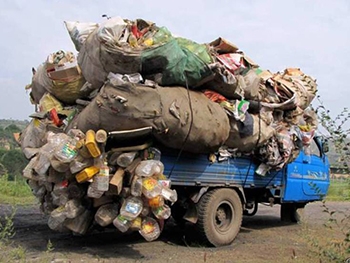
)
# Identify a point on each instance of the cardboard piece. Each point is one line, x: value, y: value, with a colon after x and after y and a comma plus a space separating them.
x: 223, y: 46
x: 64, y: 74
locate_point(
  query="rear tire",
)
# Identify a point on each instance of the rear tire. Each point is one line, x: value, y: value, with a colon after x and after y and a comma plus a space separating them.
x: 219, y: 216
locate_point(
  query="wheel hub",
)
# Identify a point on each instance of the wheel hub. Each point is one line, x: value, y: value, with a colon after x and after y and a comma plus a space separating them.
x: 221, y: 215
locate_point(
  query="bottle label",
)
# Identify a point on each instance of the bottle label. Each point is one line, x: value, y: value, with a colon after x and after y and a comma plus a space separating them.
x: 148, y: 228
x: 149, y: 184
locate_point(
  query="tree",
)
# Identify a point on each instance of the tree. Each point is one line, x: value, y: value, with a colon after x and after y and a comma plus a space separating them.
x: 13, y: 161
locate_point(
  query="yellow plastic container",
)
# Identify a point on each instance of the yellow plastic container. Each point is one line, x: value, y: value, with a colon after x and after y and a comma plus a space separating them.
x: 91, y: 144
x: 87, y: 174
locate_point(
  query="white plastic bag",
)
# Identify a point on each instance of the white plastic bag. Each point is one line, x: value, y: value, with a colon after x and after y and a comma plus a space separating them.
x: 79, y: 32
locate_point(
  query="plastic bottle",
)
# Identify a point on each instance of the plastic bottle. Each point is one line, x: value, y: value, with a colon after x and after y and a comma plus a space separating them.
x: 101, y: 136
x: 58, y: 165
x: 58, y: 216
x: 33, y: 185
x: 169, y: 194
x: 91, y: 144
x: 101, y: 180
x: 136, y: 186
x: 28, y: 170
x: 66, y: 151
x: 82, y: 149
x: 131, y: 207
x: 150, y: 187
x: 43, y: 162
x: 80, y: 224
x: 165, y: 183
x: 150, y: 229
x: 40, y: 193
x: 121, y: 223
x: 79, y: 163
x: 60, y: 187
x: 86, y: 174
x: 262, y: 169
x: 76, y: 134
x: 73, y: 208
x: 125, y: 159
x: 162, y: 212
x: 148, y: 168
x: 93, y: 192
x: 106, y: 214
x: 155, y: 202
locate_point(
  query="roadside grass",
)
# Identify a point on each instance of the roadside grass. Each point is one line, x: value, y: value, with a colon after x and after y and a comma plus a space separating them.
x: 9, y: 252
x: 15, y: 192
x: 332, y: 242
x: 339, y: 190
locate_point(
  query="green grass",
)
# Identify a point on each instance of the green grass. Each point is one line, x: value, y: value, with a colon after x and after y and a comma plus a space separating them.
x: 15, y: 192
x: 339, y: 191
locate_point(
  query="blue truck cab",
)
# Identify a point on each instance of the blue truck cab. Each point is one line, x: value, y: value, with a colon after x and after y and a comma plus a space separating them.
x: 215, y: 196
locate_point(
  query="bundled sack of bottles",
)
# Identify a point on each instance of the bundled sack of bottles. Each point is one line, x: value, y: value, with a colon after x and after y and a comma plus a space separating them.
x: 122, y: 46
x: 79, y: 185
x: 174, y: 113
x: 60, y: 75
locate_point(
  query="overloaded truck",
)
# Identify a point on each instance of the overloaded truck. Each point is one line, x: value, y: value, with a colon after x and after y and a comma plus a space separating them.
x: 214, y: 196
x: 226, y: 134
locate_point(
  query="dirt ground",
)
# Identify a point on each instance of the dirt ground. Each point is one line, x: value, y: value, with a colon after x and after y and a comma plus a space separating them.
x: 263, y: 238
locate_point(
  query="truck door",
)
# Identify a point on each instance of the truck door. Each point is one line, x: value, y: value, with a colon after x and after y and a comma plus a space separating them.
x: 307, y: 178
x: 315, y: 171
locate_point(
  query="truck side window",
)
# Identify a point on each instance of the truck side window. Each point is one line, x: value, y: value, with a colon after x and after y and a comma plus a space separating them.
x: 314, y: 149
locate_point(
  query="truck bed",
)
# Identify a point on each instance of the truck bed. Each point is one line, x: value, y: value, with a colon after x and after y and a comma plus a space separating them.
x: 196, y: 170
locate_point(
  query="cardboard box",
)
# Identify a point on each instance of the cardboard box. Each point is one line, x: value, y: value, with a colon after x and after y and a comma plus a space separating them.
x: 66, y: 71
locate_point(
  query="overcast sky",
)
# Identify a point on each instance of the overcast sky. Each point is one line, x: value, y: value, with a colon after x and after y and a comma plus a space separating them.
x: 311, y: 35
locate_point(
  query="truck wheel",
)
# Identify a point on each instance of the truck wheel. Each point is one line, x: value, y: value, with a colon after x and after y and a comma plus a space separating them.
x: 291, y: 213
x: 219, y: 216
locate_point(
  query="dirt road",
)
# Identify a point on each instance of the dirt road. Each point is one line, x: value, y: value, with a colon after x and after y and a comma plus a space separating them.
x: 263, y: 238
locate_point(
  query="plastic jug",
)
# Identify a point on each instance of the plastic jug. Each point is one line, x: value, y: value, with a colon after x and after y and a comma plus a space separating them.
x: 86, y: 174
x: 150, y: 187
x: 91, y: 144
x: 121, y: 223
x: 106, y: 214
x: 136, y: 186
x: 131, y: 207
x: 150, y: 229
x: 162, y: 212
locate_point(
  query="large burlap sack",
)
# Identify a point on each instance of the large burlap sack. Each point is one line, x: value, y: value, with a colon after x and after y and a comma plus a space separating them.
x: 100, y: 55
x: 60, y: 76
x: 167, y: 110
x: 247, y: 136
x: 173, y: 61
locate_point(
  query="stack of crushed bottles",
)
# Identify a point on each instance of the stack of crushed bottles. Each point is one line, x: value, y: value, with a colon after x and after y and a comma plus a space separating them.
x: 79, y: 185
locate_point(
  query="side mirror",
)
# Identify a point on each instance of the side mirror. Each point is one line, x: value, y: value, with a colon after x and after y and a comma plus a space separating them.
x: 325, y: 146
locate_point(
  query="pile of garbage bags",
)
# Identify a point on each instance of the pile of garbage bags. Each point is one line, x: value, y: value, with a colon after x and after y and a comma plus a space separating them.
x: 133, y: 75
